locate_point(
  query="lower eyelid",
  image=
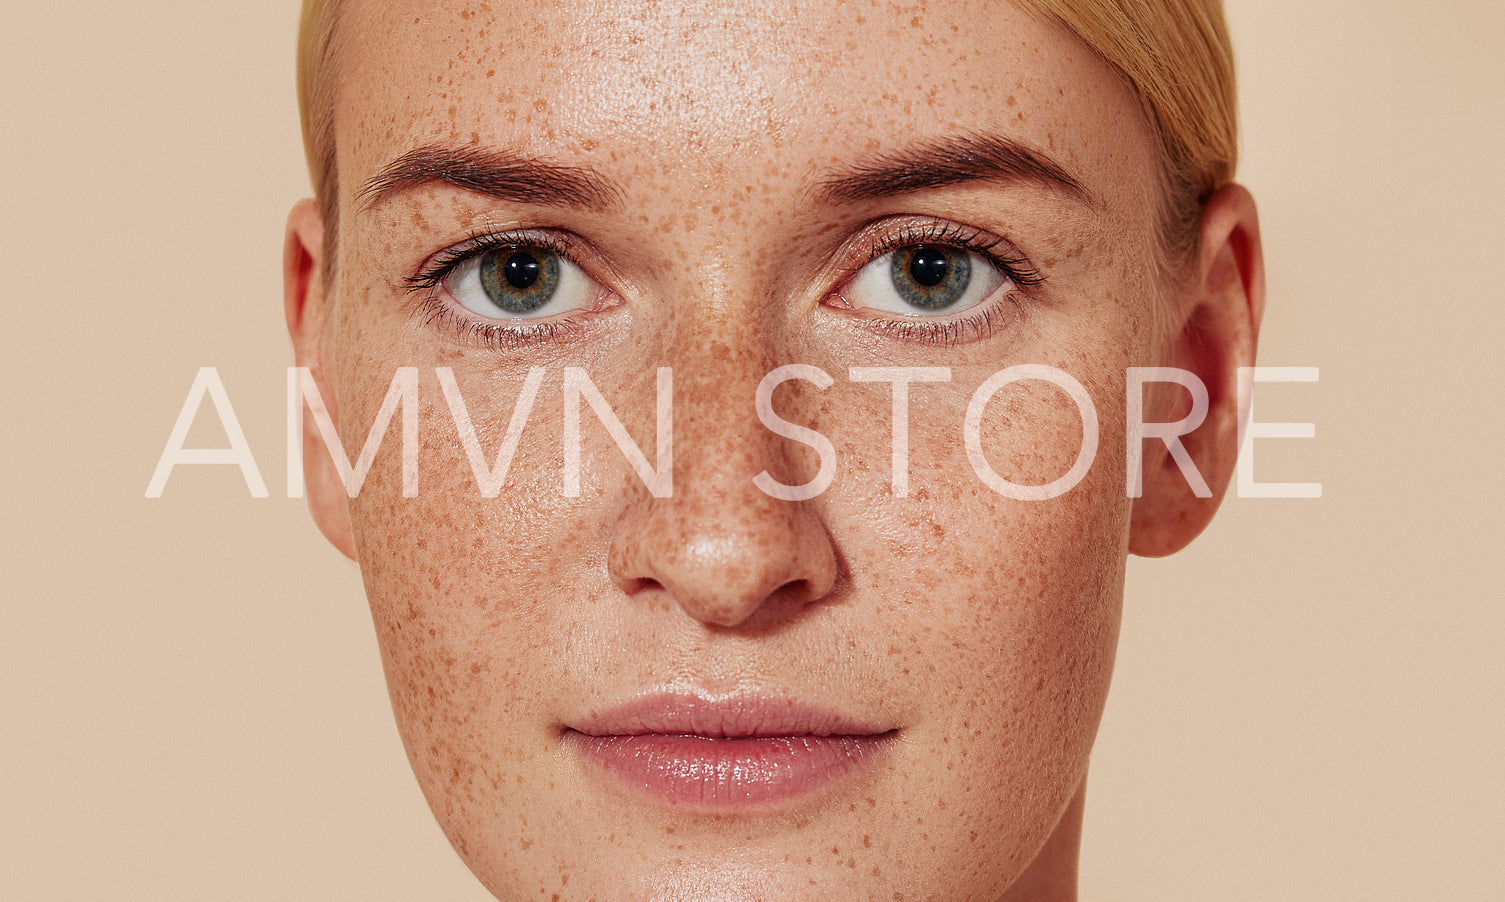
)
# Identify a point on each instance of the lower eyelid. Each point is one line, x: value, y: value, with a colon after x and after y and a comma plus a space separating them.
x: 979, y: 322
x: 433, y: 311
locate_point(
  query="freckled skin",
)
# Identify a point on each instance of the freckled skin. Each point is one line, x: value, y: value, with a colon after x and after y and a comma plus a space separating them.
x: 981, y: 628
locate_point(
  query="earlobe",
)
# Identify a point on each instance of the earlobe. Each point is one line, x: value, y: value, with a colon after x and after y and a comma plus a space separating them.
x: 305, y: 308
x: 1218, y: 313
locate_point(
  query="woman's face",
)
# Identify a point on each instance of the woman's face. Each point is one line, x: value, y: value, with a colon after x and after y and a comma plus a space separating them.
x: 870, y: 694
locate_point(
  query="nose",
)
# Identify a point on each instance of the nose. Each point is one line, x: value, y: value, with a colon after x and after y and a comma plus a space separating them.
x: 722, y: 567
x: 722, y: 550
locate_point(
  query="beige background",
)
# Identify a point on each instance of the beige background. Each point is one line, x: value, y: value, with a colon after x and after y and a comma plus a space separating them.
x: 1308, y: 701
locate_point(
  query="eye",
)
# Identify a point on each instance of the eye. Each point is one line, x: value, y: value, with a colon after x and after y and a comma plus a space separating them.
x: 921, y: 279
x: 519, y: 282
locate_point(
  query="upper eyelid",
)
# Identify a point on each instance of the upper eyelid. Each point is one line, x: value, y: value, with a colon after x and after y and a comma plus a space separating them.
x: 437, y: 266
x: 890, y: 233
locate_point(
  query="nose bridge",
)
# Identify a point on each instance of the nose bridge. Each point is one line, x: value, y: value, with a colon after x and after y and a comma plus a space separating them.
x: 716, y: 379
x: 725, y: 333
x: 719, y: 547
x: 729, y: 331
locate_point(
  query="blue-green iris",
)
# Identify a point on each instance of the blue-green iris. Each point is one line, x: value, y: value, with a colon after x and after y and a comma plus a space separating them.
x: 931, y: 277
x: 519, y: 280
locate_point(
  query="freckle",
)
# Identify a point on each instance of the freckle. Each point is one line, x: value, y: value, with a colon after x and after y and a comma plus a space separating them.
x: 867, y: 841
x: 1013, y: 101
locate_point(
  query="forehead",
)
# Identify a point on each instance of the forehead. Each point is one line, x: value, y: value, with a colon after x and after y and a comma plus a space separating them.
x: 699, y: 91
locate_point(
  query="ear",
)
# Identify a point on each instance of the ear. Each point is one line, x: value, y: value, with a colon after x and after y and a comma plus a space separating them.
x: 1218, y: 307
x: 305, y: 304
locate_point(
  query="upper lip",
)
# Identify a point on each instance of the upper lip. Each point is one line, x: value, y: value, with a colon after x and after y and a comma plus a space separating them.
x: 738, y: 716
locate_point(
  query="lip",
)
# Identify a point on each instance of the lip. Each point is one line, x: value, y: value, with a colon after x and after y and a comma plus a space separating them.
x: 736, y: 753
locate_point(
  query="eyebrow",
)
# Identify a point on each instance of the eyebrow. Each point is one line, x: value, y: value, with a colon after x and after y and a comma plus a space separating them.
x: 947, y: 162
x: 503, y: 175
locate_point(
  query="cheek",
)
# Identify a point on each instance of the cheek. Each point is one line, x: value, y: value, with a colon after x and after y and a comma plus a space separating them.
x: 999, y: 617
x: 481, y: 605
x: 457, y: 584
x: 460, y: 652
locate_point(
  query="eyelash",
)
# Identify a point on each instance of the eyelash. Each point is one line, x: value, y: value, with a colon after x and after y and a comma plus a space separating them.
x: 491, y: 336
x: 498, y: 336
x: 1014, y: 266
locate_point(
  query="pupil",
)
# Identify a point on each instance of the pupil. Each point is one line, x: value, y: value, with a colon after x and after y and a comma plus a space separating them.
x: 522, y: 270
x: 928, y: 266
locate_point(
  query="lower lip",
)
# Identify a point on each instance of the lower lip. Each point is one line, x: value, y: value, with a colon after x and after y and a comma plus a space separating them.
x: 721, y: 774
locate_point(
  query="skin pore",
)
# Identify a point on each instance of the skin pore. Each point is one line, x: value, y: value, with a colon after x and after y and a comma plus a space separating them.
x: 718, y: 185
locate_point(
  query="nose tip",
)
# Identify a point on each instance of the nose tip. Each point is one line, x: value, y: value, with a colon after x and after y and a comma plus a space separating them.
x: 724, y: 566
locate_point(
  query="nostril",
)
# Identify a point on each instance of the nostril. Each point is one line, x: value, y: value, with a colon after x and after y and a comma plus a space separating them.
x: 799, y: 590
x: 641, y: 584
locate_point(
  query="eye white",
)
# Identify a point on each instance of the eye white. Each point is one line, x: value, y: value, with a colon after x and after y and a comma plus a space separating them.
x: 574, y: 290
x: 874, y: 288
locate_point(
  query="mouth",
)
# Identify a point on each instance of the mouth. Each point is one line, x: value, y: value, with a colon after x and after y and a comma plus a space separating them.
x: 737, y: 753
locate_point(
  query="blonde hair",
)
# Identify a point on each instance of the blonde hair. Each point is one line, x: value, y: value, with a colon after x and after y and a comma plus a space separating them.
x: 1177, y: 57
x: 317, y: 63
x: 1174, y: 54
